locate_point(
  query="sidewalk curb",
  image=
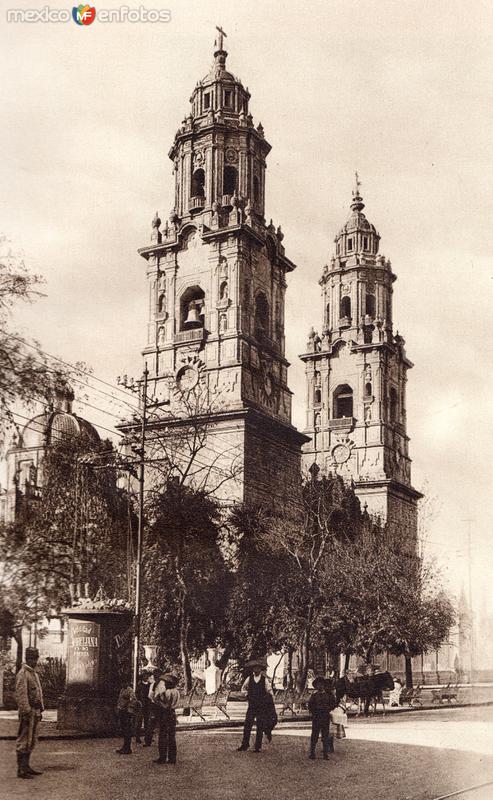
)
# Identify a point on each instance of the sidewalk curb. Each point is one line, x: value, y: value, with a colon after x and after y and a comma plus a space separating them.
x: 230, y: 723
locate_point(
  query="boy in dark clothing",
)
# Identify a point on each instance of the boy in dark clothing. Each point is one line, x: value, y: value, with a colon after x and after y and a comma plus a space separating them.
x: 144, y: 716
x: 127, y: 707
x: 320, y: 705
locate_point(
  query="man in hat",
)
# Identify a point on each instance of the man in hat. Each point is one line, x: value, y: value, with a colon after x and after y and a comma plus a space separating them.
x: 29, y: 697
x: 166, y: 697
x: 259, y: 694
x: 144, y: 716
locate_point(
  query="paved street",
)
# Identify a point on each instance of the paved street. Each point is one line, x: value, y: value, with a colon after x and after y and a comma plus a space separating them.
x: 407, y: 757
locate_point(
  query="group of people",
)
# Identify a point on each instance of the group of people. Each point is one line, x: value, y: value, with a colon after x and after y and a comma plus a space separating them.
x: 152, y: 705
x: 261, y: 711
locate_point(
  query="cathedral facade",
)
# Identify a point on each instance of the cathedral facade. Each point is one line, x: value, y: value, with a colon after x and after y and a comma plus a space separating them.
x: 216, y: 276
x: 356, y: 375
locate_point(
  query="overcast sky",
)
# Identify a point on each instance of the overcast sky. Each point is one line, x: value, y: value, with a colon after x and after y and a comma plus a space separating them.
x: 402, y: 92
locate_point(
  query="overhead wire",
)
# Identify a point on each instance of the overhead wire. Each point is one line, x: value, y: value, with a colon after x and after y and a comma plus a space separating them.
x: 126, y: 392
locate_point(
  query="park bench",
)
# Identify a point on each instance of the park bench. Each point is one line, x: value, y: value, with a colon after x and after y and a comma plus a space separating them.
x: 411, y: 696
x: 218, y: 701
x: 448, y: 693
x: 292, y: 700
x: 285, y: 698
x: 301, y: 699
x: 194, y: 700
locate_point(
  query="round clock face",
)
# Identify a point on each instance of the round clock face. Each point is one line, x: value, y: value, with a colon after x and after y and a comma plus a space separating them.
x: 187, y: 378
x: 341, y: 453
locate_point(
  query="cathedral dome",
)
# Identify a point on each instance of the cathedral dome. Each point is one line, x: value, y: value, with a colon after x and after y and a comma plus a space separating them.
x: 55, y: 423
x: 52, y: 426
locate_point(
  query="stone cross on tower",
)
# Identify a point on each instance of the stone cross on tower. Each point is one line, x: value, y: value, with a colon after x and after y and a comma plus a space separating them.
x: 357, y: 184
x: 219, y: 43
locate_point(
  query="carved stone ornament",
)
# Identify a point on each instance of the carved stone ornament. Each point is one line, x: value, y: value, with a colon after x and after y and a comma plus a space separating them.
x: 345, y: 289
x: 231, y: 155
x: 198, y: 158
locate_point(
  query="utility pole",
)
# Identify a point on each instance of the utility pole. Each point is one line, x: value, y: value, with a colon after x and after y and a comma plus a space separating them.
x: 146, y: 405
x: 140, y: 531
x: 469, y: 570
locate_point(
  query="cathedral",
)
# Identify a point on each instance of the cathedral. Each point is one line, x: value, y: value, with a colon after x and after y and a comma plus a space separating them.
x: 217, y: 275
x: 356, y: 374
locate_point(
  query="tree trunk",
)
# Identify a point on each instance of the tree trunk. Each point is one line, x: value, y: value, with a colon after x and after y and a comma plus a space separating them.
x: 185, y: 658
x: 18, y: 640
x: 347, y: 656
x: 409, y: 672
x: 334, y: 661
x: 273, y: 677
x: 289, y: 674
x: 304, y: 657
x: 222, y: 661
x: 369, y: 655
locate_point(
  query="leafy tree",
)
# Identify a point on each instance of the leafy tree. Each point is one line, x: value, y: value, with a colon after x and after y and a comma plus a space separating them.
x: 185, y: 575
x: 24, y: 374
x: 73, y: 540
x: 333, y: 577
x: 258, y: 614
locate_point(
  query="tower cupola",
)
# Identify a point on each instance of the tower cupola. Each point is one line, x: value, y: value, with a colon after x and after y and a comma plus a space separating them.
x: 357, y: 235
x: 219, y: 155
x: 220, y: 92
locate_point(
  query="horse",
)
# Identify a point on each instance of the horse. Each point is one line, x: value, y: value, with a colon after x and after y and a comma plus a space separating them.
x: 365, y: 690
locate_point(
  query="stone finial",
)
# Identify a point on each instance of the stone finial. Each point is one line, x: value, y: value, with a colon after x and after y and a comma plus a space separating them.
x: 280, y: 234
x: 156, y: 222
x: 357, y: 203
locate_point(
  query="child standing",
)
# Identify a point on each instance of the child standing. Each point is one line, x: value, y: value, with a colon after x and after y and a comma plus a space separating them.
x: 320, y: 705
x: 127, y: 708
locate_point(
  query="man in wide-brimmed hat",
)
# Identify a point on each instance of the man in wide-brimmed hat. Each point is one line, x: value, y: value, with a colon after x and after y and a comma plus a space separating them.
x: 259, y: 694
x: 29, y: 697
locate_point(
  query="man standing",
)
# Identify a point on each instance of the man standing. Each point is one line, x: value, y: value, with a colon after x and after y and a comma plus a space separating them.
x: 144, y: 716
x: 166, y: 697
x: 259, y: 694
x: 29, y: 697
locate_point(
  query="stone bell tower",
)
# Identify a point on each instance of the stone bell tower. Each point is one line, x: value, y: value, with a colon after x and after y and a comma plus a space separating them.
x: 217, y: 279
x: 356, y: 374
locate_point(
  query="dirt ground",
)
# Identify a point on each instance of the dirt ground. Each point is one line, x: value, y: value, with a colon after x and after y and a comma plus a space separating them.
x: 414, y: 757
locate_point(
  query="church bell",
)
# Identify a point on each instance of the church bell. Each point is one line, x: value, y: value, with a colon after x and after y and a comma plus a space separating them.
x: 193, y: 319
